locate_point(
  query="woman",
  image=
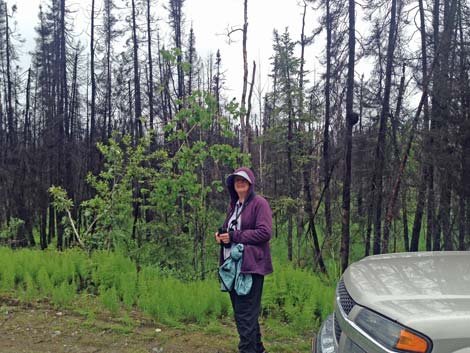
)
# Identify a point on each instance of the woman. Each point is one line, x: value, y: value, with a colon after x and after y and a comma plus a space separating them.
x: 248, y: 222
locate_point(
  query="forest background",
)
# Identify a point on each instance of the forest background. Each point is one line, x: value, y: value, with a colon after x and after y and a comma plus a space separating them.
x: 125, y: 149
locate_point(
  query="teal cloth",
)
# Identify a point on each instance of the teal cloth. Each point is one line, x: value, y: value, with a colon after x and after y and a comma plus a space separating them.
x: 230, y: 274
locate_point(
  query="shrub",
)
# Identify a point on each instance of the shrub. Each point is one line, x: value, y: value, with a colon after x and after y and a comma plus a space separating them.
x: 44, y: 282
x: 63, y: 295
x: 110, y: 299
x: 294, y: 299
x: 30, y: 292
x: 7, y: 270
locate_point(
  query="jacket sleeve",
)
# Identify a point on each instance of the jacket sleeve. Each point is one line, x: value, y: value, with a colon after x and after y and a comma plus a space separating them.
x: 263, y: 226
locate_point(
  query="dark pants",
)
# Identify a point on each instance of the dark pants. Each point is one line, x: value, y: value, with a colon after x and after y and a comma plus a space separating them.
x: 246, y: 309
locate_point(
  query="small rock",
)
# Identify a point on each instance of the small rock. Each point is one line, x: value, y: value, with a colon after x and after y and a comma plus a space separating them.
x: 56, y: 333
x: 158, y: 330
x: 157, y: 350
x: 59, y: 313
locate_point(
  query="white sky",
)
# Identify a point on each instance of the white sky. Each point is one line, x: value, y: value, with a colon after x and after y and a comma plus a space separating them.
x: 210, y: 19
x: 263, y: 17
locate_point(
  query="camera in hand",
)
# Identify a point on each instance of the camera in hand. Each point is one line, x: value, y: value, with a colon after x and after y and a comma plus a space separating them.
x: 223, y: 230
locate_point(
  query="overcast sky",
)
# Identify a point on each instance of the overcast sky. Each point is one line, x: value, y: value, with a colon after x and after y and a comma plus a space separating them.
x: 263, y: 17
x: 210, y: 19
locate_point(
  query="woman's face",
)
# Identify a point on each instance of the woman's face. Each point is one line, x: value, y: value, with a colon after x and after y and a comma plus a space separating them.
x: 241, y: 185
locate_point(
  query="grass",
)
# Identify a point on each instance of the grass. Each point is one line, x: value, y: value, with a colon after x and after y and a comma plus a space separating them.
x: 107, y: 284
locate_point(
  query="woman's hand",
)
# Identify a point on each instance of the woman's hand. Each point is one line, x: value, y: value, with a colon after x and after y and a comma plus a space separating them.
x: 224, y: 238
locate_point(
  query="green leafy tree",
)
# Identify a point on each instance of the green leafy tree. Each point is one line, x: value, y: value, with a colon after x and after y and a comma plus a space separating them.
x: 174, y: 190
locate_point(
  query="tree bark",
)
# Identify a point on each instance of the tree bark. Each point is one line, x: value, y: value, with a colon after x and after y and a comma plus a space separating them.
x: 421, y: 198
x: 244, y: 118
x: 150, y: 63
x: 177, y: 18
x: 93, y: 82
x: 108, y: 101
x: 351, y: 119
x: 74, y: 101
x: 441, y: 114
x: 137, y: 96
x: 11, y: 134
x: 464, y: 197
x: 290, y: 165
x: 380, y: 147
x: 27, y: 121
x: 326, y: 131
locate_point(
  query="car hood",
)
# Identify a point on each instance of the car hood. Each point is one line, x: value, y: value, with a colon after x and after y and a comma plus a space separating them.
x: 428, y: 291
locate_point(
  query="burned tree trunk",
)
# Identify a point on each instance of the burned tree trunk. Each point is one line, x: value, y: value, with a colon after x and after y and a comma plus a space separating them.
x: 351, y: 119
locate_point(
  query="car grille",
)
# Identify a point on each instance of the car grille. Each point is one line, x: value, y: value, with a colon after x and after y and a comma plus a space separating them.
x: 346, y: 302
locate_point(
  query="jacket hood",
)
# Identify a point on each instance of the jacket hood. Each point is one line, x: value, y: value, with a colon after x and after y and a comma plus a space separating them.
x: 231, y: 184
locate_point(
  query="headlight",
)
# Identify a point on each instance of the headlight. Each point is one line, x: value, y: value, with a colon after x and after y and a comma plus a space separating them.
x: 325, y: 339
x: 390, y: 334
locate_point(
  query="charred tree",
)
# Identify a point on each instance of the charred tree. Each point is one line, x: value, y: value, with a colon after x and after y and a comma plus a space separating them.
x: 351, y: 119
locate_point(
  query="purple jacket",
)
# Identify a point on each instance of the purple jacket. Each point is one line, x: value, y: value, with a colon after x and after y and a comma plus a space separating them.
x: 256, y: 228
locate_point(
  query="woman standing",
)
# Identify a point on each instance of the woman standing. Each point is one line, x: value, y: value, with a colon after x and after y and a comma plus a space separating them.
x: 248, y: 222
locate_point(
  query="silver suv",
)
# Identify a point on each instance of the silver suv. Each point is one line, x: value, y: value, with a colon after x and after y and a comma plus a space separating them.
x: 407, y: 302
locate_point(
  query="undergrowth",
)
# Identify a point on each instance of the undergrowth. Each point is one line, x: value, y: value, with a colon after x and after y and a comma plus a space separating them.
x: 293, y: 299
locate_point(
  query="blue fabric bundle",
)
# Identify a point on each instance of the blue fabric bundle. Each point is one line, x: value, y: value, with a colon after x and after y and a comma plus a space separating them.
x: 230, y: 274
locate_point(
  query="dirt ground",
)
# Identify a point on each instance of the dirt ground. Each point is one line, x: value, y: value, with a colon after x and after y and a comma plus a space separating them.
x: 41, y: 328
